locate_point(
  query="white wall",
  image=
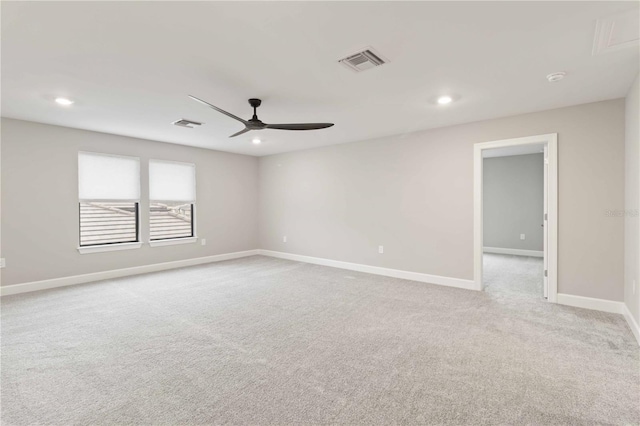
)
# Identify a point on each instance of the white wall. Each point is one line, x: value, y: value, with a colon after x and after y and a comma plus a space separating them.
x: 632, y: 200
x: 413, y: 194
x: 40, y: 201
x: 513, y: 202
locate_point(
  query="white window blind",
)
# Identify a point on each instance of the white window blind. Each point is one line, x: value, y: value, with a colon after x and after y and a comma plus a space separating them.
x: 171, y: 181
x: 108, y: 177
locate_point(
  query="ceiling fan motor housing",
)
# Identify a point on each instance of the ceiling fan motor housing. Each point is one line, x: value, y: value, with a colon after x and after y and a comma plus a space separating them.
x: 254, y: 122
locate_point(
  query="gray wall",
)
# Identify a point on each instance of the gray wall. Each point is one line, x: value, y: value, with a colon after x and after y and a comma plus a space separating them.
x: 632, y: 200
x: 413, y: 193
x: 40, y: 201
x: 513, y: 201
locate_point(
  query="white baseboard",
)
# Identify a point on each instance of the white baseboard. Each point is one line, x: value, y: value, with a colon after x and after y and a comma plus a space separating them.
x: 117, y: 273
x: 591, y: 303
x: 601, y: 305
x: 633, y: 325
x: 517, y: 252
x: 563, y: 299
x: 395, y: 273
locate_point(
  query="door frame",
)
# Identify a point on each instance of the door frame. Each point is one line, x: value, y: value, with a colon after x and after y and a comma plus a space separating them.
x: 551, y: 223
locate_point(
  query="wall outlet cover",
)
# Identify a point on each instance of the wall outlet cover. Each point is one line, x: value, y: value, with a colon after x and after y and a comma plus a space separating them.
x: 284, y: 239
x: 380, y: 249
x: 2, y: 263
x: 203, y: 242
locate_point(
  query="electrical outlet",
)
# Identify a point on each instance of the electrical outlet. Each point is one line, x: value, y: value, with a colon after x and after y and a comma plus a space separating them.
x: 203, y: 242
x: 522, y: 236
x: 284, y: 239
x: 380, y: 249
x: 3, y: 264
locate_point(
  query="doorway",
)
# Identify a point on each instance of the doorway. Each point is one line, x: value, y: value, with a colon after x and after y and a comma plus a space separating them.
x: 535, y: 258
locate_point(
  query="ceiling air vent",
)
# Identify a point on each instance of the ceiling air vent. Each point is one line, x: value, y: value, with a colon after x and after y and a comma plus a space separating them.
x: 364, y: 60
x: 183, y: 122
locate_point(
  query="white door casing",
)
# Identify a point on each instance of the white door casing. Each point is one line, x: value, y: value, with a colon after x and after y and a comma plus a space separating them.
x: 551, y: 206
x: 545, y: 229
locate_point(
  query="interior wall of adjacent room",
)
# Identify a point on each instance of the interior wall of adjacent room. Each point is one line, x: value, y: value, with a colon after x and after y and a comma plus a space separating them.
x: 513, y: 201
x: 413, y: 194
x: 40, y: 201
x: 632, y: 200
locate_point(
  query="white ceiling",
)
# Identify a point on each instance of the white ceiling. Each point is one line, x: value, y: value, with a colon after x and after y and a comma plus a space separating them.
x: 130, y: 66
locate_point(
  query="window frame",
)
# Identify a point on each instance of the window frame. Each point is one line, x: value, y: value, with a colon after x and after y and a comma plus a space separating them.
x: 179, y: 240
x: 124, y: 245
x: 113, y: 246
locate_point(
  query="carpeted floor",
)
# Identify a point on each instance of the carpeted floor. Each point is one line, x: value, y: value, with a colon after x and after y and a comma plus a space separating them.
x: 267, y: 341
x: 513, y: 277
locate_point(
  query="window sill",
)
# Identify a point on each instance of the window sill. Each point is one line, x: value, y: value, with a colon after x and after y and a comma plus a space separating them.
x: 173, y: 241
x: 109, y: 247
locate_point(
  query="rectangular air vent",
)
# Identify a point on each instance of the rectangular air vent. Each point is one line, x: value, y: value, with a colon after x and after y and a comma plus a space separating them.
x: 363, y: 60
x: 183, y: 122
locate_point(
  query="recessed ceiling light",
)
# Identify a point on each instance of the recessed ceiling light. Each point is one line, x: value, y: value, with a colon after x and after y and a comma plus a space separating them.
x: 443, y: 100
x: 556, y: 76
x: 256, y: 141
x: 64, y: 101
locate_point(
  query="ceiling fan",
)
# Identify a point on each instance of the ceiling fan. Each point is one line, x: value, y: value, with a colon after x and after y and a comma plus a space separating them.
x: 255, y: 124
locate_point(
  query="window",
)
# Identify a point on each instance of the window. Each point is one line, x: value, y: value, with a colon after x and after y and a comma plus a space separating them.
x: 109, y: 196
x: 170, y: 220
x: 172, y: 194
x: 108, y: 223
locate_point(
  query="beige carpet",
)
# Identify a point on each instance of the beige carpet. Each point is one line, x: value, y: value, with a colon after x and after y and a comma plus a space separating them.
x: 267, y: 341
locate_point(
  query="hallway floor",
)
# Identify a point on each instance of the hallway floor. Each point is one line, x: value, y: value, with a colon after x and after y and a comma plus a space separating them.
x: 513, y: 276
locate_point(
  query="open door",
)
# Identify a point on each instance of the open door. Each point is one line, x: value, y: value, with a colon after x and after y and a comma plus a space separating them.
x: 549, y: 145
x: 545, y: 216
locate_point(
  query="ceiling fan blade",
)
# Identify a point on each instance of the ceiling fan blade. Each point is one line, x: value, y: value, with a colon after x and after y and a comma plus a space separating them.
x: 228, y: 114
x: 245, y: 130
x: 299, y: 126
